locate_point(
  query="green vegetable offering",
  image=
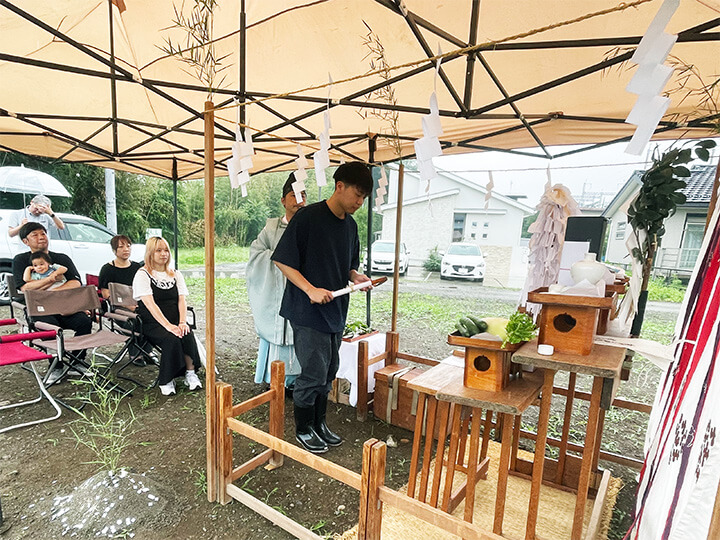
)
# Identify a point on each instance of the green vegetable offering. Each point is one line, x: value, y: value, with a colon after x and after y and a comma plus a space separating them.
x: 520, y: 327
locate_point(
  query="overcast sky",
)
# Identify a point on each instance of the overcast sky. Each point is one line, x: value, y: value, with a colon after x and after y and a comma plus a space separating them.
x: 602, y: 170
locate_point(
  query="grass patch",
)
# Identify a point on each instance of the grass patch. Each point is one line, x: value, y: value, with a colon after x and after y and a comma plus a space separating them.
x: 228, y: 291
x: 190, y: 257
x: 660, y: 290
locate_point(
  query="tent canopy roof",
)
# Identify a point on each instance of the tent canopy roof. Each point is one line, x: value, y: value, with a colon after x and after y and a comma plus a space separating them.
x: 76, y: 87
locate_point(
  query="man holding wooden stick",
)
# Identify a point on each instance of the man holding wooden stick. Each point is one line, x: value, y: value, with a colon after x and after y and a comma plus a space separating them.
x: 318, y: 254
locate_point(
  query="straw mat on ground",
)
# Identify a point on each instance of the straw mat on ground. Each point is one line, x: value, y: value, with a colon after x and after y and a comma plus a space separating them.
x: 554, y: 517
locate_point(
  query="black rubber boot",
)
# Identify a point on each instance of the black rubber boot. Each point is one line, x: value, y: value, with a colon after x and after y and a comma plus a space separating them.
x: 304, y: 432
x: 320, y: 426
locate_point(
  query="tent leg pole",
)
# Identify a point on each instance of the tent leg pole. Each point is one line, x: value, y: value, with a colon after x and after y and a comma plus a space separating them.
x: 210, y: 403
x: 398, y: 226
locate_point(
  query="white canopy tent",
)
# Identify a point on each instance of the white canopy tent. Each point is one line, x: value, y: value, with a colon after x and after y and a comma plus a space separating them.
x: 88, y: 81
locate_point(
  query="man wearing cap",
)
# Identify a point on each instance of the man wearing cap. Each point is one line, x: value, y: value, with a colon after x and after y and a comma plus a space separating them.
x: 39, y: 211
x: 265, y: 286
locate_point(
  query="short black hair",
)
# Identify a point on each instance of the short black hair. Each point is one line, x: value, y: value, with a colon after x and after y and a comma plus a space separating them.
x: 115, y: 241
x: 35, y: 255
x: 287, y: 188
x: 29, y: 227
x: 357, y: 174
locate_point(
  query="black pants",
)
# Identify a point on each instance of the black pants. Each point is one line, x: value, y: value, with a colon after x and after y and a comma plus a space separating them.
x: 319, y: 358
x: 78, y: 322
x: 173, y: 350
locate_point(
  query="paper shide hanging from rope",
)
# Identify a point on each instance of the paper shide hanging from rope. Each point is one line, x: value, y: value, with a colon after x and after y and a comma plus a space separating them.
x: 650, y: 78
x: 428, y: 147
x: 241, y: 161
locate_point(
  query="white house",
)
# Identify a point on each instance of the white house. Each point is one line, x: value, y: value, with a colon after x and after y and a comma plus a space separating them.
x: 684, y: 230
x: 453, y: 210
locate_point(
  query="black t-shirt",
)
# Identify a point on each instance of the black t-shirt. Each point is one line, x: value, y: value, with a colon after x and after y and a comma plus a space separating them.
x: 324, y: 249
x: 110, y: 273
x: 22, y: 261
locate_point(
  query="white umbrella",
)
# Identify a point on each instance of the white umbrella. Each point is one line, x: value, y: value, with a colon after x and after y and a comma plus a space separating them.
x: 22, y: 180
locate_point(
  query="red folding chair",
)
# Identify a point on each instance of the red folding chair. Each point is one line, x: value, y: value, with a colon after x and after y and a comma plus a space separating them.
x: 14, y: 351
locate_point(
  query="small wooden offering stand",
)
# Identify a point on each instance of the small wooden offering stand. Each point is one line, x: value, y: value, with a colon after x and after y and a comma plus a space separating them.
x: 568, y: 322
x: 604, y: 365
x: 487, y: 364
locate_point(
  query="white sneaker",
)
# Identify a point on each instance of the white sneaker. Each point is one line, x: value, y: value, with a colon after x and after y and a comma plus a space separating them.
x: 167, y: 389
x: 54, y: 375
x: 192, y: 381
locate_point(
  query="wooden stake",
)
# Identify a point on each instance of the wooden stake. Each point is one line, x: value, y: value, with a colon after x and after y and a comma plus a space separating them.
x: 398, y: 226
x: 373, y: 478
x: 362, y: 379
x: 210, y: 403
x: 277, y: 409
x: 225, y: 438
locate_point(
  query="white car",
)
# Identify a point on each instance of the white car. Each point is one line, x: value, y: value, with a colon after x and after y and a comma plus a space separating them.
x: 84, y: 240
x: 463, y: 261
x: 383, y: 257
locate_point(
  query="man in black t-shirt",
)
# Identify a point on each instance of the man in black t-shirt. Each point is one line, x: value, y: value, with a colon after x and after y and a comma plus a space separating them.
x: 319, y: 253
x: 35, y: 237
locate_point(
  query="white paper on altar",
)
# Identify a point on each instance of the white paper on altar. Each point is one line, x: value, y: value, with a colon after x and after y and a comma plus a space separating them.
x: 301, y: 161
x: 659, y: 354
x: 246, y: 163
x: 348, y: 363
x: 572, y: 252
x: 454, y: 360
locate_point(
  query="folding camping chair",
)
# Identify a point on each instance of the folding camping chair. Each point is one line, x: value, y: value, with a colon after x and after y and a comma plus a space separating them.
x: 13, y: 351
x: 69, y: 349
x: 122, y: 302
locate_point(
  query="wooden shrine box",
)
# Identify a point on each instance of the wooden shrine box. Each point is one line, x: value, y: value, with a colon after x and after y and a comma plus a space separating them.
x: 401, y: 415
x: 487, y: 364
x: 569, y: 322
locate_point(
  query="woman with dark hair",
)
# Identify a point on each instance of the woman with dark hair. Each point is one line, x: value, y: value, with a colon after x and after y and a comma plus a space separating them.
x: 121, y: 269
x: 161, y: 294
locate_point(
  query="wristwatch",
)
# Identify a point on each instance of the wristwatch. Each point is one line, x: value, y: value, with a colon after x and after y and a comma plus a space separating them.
x: 52, y: 215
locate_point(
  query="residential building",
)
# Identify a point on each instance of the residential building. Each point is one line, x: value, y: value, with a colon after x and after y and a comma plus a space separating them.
x: 453, y: 209
x: 684, y: 230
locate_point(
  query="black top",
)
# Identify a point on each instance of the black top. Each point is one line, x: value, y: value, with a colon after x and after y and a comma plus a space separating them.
x: 22, y: 261
x: 324, y: 249
x: 165, y: 298
x: 110, y: 273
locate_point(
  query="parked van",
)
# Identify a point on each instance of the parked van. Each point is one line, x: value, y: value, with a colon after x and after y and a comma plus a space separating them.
x: 84, y: 240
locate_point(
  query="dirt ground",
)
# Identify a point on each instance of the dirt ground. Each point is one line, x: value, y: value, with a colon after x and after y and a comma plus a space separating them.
x: 41, y: 464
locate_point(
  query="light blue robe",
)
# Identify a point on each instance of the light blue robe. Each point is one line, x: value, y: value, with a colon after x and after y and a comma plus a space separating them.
x: 266, y: 285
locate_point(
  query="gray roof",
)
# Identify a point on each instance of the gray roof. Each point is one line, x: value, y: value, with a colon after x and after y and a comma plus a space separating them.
x: 700, y: 183
x: 698, y: 190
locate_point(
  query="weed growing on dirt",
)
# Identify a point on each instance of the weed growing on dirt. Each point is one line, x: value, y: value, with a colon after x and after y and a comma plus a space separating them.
x: 104, y: 429
x: 199, y: 480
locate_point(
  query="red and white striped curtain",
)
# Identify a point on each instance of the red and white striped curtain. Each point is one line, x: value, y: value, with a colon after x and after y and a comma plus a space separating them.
x: 680, y: 476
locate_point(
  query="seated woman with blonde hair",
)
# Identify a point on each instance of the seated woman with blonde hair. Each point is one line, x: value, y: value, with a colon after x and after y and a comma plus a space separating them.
x: 161, y: 294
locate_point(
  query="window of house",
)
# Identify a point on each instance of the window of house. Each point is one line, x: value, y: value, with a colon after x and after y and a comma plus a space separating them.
x: 472, y: 235
x: 486, y: 224
x: 484, y: 235
x: 474, y: 223
x: 620, y: 231
x: 691, y: 241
